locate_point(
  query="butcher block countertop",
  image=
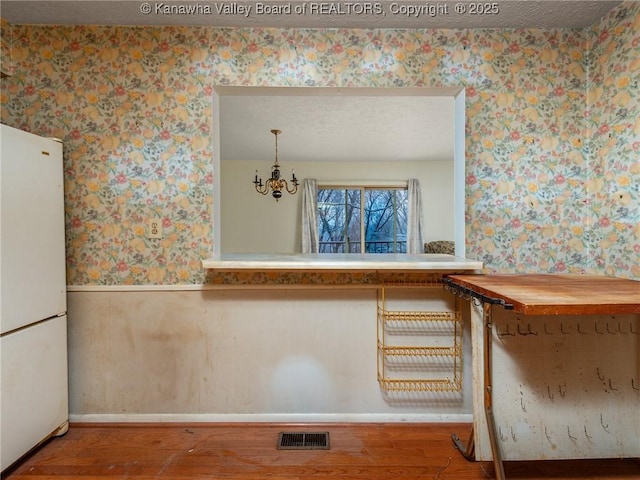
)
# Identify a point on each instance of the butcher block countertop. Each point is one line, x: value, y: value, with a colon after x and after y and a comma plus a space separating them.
x: 547, y: 294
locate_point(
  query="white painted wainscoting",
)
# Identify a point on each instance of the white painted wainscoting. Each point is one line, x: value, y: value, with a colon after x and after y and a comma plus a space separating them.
x: 250, y: 354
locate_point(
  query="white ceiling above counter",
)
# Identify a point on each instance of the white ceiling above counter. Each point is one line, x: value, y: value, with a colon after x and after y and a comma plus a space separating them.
x: 337, y: 124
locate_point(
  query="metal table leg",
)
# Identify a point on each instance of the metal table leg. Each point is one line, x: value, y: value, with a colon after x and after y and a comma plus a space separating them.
x: 488, y: 393
x: 469, y: 451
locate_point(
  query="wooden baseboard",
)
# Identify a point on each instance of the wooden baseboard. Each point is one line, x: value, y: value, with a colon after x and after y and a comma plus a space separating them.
x: 270, y: 418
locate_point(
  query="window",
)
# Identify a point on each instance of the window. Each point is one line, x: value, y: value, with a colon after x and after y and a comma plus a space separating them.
x: 362, y: 219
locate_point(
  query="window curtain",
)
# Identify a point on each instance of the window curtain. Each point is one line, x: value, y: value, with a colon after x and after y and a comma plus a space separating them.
x: 309, y: 215
x: 415, y: 226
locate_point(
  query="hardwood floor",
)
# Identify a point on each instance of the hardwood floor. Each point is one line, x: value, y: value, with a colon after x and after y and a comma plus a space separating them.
x: 248, y: 452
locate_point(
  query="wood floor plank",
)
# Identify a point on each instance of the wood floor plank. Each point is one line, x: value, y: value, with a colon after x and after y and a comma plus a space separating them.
x: 248, y: 452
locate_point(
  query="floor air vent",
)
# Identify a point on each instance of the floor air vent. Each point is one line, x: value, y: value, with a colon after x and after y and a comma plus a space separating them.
x: 303, y: 441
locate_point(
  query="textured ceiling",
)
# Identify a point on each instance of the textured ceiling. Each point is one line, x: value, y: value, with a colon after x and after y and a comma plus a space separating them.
x: 312, y: 14
x: 337, y: 124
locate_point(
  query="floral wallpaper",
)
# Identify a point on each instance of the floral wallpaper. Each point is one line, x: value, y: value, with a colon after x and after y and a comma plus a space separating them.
x: 5, y: 47
x: 613, y: 135
x: 552, y: 133
x: 324, y: 278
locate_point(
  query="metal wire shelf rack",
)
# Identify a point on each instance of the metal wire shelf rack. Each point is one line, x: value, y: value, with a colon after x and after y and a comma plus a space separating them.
x: 417, y: 316
x: 410, y: 354
x: 426, y: 351
x: 423, y: 385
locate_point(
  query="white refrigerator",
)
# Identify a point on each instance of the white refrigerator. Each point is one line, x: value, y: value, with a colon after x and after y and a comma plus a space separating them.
x: 33, y: 315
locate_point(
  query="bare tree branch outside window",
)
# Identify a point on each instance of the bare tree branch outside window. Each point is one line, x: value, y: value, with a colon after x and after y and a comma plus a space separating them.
x: 383, y: 221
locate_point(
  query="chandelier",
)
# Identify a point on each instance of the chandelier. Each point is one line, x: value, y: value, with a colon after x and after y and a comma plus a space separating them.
x: 275, y: 184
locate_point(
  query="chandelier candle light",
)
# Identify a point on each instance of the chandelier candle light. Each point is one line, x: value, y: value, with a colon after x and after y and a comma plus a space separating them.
x: 275, y: 183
